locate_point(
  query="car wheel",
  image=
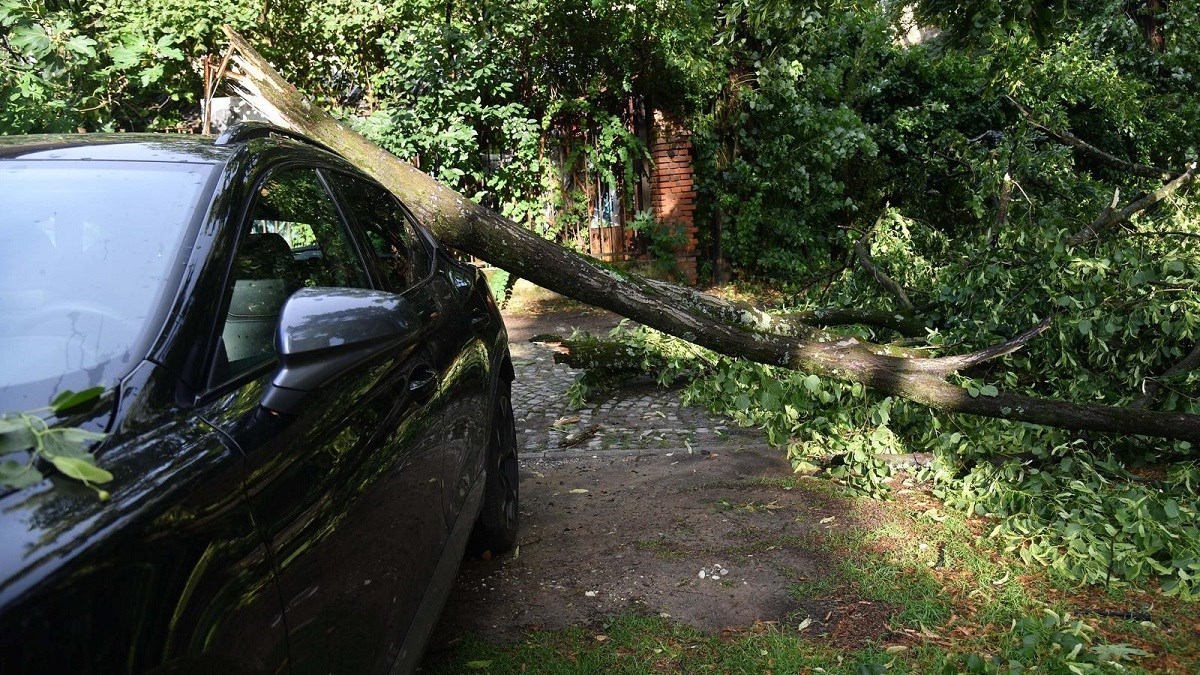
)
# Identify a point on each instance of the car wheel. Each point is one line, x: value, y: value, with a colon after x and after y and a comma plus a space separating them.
x: 496, y: 529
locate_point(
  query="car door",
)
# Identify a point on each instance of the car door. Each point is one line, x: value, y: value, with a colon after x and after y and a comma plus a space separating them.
x: 407, y: 265
x: 344, y: 490
x: 168, y: 575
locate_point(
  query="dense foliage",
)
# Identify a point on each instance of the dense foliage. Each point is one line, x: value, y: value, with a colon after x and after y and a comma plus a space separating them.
x: 828, y: 131
x: 816, y: 128
x: 516, y: 103
x: 974, y: 211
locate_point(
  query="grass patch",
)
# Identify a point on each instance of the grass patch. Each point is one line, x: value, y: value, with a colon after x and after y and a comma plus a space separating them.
x: 754, y: 483
x: 809, y: 589
x: 660, y: 548
x: 638, y: 644
x: 922, y: 600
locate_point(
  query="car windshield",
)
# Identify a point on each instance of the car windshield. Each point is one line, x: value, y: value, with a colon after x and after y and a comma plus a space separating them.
x: 85, y: 249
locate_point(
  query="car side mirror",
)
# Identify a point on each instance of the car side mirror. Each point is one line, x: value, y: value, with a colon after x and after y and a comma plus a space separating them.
x: 326, y: 332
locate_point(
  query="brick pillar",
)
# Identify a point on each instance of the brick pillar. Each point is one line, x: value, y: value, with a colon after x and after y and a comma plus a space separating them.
x: 674, y: 194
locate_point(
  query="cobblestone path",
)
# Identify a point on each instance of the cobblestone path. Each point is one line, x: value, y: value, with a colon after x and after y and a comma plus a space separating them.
x: 637, y: 417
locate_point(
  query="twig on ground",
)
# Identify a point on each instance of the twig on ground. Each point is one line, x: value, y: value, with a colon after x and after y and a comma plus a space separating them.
x: 1127, y: 614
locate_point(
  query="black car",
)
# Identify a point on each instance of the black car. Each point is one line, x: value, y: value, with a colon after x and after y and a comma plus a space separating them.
x: 305, y: 401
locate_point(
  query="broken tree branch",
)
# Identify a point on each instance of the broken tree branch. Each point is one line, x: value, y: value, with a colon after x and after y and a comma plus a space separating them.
x: 1110, y: 216
x: 1073, y: 141
x: 1151, y: 386
x: 467, y: 226
x: 953, y: 364
x: 1094, y: 227
x: 863, y: 253
x: 1005, y: 201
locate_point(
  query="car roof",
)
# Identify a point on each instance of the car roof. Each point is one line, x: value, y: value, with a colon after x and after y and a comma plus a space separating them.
x: 188, y: 148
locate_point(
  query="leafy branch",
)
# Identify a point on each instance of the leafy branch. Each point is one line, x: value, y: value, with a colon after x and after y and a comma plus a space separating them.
x: 65, y: 448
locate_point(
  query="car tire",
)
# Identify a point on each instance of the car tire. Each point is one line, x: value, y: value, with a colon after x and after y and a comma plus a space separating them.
x: 499, y: 518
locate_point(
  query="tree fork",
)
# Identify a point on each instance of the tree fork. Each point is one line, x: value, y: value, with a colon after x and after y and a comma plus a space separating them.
x: 723, y: 327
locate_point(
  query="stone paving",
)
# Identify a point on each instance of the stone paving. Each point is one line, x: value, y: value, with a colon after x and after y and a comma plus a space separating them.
x: 637, y: 417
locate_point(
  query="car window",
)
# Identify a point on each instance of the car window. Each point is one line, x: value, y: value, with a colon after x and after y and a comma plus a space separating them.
x: 88, y: 250
x: 422, y: 256
x: 401, y: 254
x: 294, y: 239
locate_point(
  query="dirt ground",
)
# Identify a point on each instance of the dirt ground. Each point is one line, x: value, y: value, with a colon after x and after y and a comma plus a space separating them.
x: 716, y: 539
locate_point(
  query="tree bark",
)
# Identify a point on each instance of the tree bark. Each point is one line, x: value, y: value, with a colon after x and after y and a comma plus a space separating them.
x: 723, y: 327
x: 607, y: 357
x: 908, y: 326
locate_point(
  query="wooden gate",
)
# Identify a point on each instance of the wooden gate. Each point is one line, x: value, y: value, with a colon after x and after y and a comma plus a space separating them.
x: 607, y: 242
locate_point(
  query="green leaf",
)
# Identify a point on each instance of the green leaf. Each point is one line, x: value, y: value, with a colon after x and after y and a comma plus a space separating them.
x: 12, y: 423
x: 31, y: 40
x: 82, y: 469
x: 152, y: 74
x: 989, y: 390
x: 81, y: 44
x: 68, y: 399
x: 766, y: 401
x: 56, y: 444
x: 75, y: 435
x: 812, y: 383
x: 880, y: 415
x: 16, y: 441
x: 743, y: 402
x: 124, y: 57
x: 18, y: 474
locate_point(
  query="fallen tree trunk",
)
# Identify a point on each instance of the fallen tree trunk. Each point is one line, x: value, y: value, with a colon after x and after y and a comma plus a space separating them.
x: 606, y: 357
x: 723, y: 327
x: 908, y: 326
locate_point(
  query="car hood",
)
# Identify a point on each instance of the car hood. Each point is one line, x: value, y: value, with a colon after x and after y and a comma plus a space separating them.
x: 41, y: 522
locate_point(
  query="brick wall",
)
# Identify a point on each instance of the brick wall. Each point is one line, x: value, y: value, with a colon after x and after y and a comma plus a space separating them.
x: 674, y: 194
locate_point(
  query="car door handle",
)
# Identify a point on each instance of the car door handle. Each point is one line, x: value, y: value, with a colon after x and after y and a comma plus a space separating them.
x: 422, y: 385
